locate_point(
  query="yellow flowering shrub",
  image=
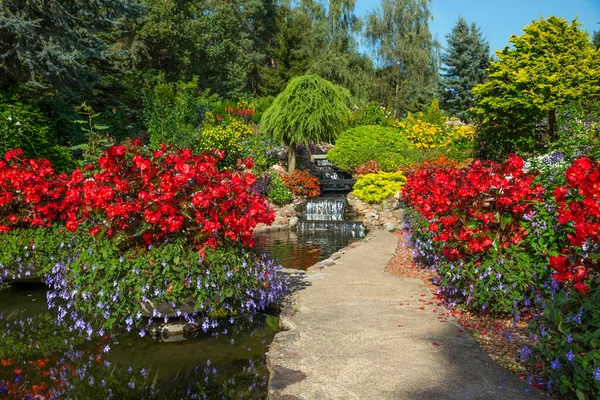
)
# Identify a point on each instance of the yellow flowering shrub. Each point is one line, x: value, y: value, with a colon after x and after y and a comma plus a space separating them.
x: 228, y: 137
x: 427, y: 135
x: 373, y: 188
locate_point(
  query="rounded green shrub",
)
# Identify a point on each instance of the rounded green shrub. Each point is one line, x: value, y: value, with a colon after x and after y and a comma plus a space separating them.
x: 374, y: 188
x: 278, y: 191
x: 386, y: 146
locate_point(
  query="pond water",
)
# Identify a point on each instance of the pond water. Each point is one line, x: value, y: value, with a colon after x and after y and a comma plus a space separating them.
x: 39, y: 358
x: 300, y: 250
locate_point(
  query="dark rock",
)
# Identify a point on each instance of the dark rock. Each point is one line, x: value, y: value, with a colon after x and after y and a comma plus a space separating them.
x: 283, y: 377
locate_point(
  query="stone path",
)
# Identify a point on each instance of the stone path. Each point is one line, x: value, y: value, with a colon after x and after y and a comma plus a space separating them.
x: 349, y: 337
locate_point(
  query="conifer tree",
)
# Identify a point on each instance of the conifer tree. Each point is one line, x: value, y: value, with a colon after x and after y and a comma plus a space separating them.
x: 52, y: 43
x: 465, y: 61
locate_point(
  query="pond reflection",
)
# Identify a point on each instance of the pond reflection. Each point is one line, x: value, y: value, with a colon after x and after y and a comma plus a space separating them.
x: 40, y: 360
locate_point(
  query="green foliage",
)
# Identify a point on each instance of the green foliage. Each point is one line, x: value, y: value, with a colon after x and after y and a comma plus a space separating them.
x: 96, y: 141
x: 51, y: 244
x: 596, y: 39
x: 373, y: 188
x: 372, y: 114
x: 465, y: 62
x: 228, y: 137
x: 221, y: 42
x: 386, y: 146
x: 309, y: 109
x: 24, y: 126
x: 552, y: 64
x: 578, y: 129
x: 571, y: 342
x: 56, y: 43
x: 174, y: 112
x: 278, y: 192
x: 399, y: 34
x: 260, y: 149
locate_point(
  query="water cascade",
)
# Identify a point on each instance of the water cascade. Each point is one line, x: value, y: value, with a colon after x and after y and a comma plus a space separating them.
x: 329, y: 213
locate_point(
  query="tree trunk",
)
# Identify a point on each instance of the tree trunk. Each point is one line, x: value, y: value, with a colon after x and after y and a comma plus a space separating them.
x: 552, y: 125
x: 291, y: 157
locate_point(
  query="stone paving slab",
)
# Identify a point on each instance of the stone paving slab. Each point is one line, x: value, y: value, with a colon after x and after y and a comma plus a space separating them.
x: 348, y: 337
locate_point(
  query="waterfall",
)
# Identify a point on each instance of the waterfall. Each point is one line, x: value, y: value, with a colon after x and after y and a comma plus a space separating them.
x: 325, y: 209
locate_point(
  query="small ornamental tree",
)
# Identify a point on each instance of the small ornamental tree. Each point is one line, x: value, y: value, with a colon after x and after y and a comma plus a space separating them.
x: 309, y: 109
x: 552, y: 64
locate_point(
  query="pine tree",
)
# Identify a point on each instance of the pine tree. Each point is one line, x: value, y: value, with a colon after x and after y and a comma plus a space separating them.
x: 55, y: 43
x: 465, y: 61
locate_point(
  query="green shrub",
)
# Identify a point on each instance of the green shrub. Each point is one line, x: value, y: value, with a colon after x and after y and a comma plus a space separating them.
x: 374, y: 188
x: 578, y: 129
x: 174, y: 112
x: 25, y: 126
x: 372, y: 114
x: 568, y: 348
x: 278, y: 191
x: 386, y: 146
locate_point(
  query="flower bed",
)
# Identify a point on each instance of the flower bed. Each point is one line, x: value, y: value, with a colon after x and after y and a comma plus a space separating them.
x: 520, y: 240
x: 137, y: 226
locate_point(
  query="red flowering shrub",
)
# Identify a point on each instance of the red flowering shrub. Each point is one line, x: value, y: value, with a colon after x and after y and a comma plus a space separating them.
x: 31, y: 193
x: 579, y: 206
x: 370, y: 167
x: 471, y: 208
x: 302, y: 183
x: 136, y: 196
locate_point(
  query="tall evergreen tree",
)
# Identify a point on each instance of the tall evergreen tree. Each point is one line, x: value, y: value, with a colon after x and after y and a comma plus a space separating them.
x: 405, y: 52
x: 464, y: 64
x: 55, y: 43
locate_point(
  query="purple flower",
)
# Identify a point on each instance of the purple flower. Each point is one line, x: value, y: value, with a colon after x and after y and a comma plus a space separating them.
x: 106, y: 349
x: 144, y: 372
x: 555, y: 364
x: 570, y: 355
x: 142, y: 333
x: 597, y: 374
x: 131, y: 385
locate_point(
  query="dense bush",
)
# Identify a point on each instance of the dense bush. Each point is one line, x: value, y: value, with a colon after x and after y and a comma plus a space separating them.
x: 385, y: 146
x: 278, y: 192
x: 137, y: 226
x: 578, y: 129
x: 372, y: 114
x: 302, y: 183
x: 475, y: 215
x: 116, y: 286
x: 25, y: 126
x: 226, y: 137
x: 174, y: 112
x: 433, y: 131
x: 376, y: 187
x: 568, y: 330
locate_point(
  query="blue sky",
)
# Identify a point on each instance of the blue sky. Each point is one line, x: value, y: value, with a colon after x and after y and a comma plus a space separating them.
x: 499, y: 19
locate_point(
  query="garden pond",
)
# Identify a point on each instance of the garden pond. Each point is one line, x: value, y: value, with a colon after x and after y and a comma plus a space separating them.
x: 40, y: 358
